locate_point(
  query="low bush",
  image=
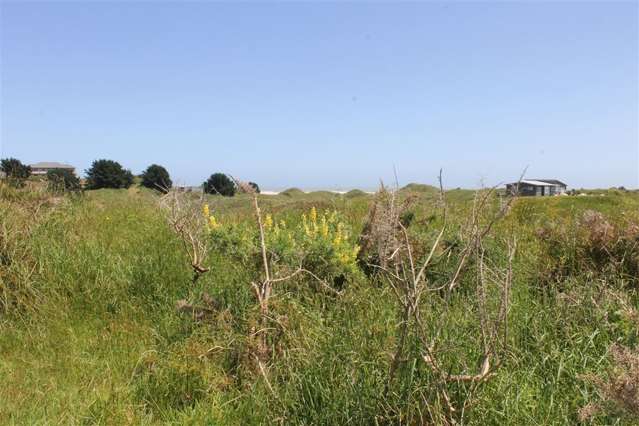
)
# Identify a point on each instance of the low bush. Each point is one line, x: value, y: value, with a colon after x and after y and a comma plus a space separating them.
x: 321, y: 243
x: 16, y: 172
x: 618, y: 387
x: 63, y: 180
x: 592, y: 246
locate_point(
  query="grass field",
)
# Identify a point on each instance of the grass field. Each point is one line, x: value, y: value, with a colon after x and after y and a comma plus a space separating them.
x: 90, y: 333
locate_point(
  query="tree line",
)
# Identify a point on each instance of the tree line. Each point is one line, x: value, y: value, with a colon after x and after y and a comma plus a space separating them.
x: 110, y: 174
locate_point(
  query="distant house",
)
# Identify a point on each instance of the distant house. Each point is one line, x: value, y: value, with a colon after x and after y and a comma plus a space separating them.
x: 537, y: 187
x: 39, y: 169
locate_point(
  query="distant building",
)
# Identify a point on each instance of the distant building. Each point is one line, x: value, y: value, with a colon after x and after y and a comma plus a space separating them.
x: 537, y: 187
x: 39, y: 169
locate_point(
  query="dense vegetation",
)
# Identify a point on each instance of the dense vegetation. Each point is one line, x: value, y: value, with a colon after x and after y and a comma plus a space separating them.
x: 219, y: 184
x: 108, y: 174
x: 102, y: 321
x: 156, y: 177
x: 63, y: 180
x: 15, y: 172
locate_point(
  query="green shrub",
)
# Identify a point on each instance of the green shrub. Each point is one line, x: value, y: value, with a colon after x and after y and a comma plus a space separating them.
x: 219, y: 183
x: 108, y: 174
x: 292, y: 192
x: 156, y: 177
x: 355, y: 193
x: 320, y: 243
x: 16, y: 172
x: 63, y: 180
x: 255, y: 187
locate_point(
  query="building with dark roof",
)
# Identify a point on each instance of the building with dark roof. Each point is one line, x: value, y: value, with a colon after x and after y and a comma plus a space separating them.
x: 537, y: 187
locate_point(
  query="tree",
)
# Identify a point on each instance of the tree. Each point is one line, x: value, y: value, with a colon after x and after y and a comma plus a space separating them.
x: 108, y: 174
x: 255, y: 187
x: 15, y: 171
x: 61, y: 180
x: 156, y: 177
x: 221, y: 184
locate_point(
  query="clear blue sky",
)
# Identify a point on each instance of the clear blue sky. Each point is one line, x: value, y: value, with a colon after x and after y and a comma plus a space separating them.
x: 327, y: 95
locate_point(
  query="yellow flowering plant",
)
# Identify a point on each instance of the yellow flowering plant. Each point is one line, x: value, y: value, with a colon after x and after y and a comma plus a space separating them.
x: 321, y: 242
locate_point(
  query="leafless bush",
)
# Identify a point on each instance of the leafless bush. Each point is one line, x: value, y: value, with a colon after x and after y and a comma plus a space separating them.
x: 619, y: 388
x: 380, y: 237
x: 594, y: 245
x: 408, y: 280
x: 184, y: 213
x: 600, y: 232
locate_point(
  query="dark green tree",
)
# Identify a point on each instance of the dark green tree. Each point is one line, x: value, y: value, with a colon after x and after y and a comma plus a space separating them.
x: 63, y: 180
x: 221, y: 184
x: 156, y: 177
x: 108, y: 174
x: 16, y: 172
x: 255, y: 187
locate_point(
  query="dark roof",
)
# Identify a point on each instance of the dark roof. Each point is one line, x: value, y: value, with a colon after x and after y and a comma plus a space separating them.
x: 551, y: 181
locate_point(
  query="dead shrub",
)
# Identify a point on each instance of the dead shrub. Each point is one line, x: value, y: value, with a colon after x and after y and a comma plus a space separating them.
x: 592, y: 246
x: 379, y: 240
x: 619, y: 387
x: 188, y: 217
x: 425, y: 306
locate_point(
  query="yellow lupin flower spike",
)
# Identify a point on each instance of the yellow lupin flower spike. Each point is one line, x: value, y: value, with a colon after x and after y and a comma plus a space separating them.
x: 338, y: 235
x: 213, y: 223
x: 314, y: 221
x: 205, y: 210
x: 324, y: 227
x: 268, y: 221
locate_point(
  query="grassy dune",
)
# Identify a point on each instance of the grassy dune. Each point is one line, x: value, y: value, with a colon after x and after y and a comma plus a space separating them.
x: 90, y: 333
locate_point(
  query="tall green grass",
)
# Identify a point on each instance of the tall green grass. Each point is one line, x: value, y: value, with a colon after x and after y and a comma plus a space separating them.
x: 89, y: 333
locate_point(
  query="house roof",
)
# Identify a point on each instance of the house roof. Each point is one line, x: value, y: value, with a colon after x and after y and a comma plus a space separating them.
x: 541, y: 182
x: 51, y: 165
x: 551, y: 181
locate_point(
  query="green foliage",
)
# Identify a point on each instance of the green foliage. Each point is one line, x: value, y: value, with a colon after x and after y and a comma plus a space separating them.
x: 156, y: 177
x: 419, y: 188
x: 16, y: 172
x: 108, y: 174
x: 163, y: 384
x: 255, y: 187
x: 219, y: 184
x: 355, y: 193
x: 63, y: 180
x: 292, y: 192
x: 321, y: 243
x: 90, y: 334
